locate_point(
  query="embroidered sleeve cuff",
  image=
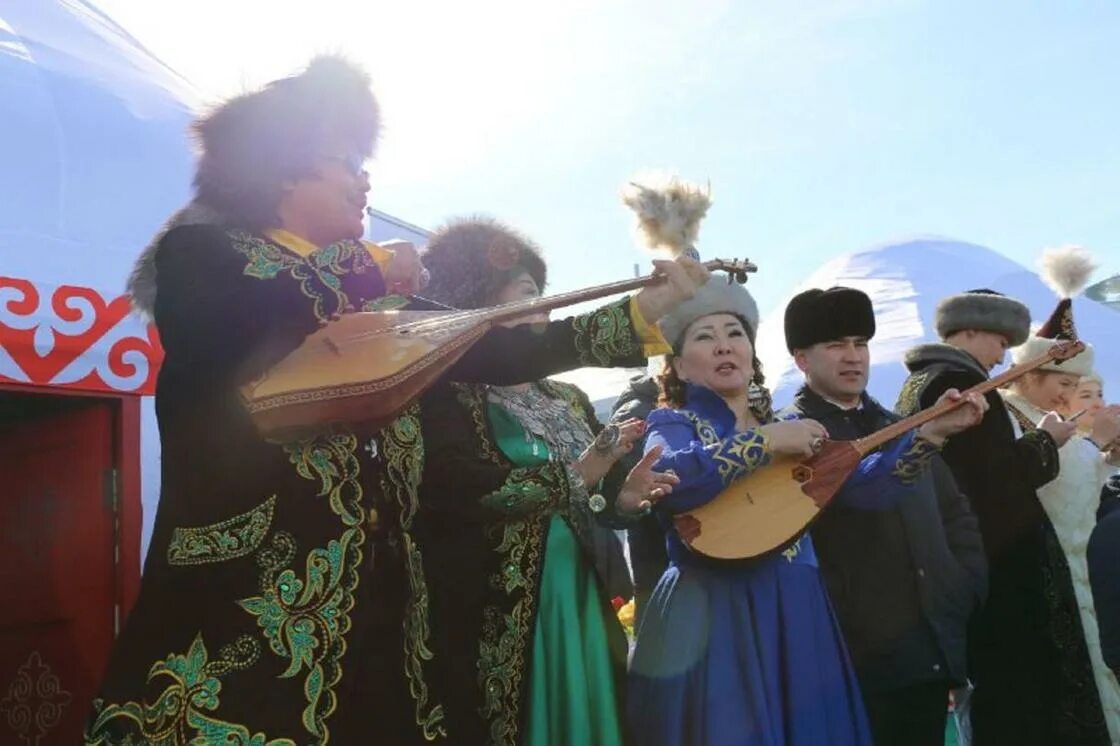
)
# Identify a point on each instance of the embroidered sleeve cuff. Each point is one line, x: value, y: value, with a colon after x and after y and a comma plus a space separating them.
x: 380, y: 254
x: 532, y: 489
x: 648, y: 334
x: 914, y: 460
x: 606, y: 337
x: 740, y: 454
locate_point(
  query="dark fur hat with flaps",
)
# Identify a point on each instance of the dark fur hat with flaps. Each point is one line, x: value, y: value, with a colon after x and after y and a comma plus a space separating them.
x: 256, y: 142
x: 1066, y: 271
x: 986, y: 311
x: 472, y: 259
x: 716, y: 296
x: 816, y: 316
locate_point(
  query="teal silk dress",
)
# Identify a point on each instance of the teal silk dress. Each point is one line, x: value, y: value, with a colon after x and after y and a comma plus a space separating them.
x: 571, y: 696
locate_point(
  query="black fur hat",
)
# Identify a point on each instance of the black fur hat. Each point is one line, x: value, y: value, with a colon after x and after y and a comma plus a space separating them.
x: 816, y: 316
x: 253, y: 143
x: 472, y: 259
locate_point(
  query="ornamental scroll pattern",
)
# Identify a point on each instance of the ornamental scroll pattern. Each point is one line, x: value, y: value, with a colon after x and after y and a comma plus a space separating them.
x: 605, y: 336
x: 403, y: 452
x: 229, y: 539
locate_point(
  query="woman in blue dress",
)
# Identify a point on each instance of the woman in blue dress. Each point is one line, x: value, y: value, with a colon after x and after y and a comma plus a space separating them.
x: 746, y: 654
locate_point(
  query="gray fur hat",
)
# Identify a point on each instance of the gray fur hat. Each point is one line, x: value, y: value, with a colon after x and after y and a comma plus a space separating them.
x: 984, y: 310
x: 717, y: 296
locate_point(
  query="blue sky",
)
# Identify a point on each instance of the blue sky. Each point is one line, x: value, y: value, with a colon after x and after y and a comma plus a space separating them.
x: 823, y: 127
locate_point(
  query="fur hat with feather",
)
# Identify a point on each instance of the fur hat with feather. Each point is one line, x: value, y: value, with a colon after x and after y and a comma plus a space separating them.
x: 1066, y: 271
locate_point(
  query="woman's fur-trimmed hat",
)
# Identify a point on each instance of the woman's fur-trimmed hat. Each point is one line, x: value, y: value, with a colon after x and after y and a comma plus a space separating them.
x: 983, y: 310
x: 816, y: 316
x: 471, y: 259
x: 716, y: 296
x: 1066, y: 271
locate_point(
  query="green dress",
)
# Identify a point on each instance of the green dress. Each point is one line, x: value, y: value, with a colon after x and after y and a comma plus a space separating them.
x: 572, y: 696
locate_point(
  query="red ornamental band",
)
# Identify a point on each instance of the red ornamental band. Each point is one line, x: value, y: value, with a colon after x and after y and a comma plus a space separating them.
x: 72, y: 337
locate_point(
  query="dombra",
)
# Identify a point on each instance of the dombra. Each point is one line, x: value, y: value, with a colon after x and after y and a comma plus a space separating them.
x: 365, y: 368
x: 769, y: 509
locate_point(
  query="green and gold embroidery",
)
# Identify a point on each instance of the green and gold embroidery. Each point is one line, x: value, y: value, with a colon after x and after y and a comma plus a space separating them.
x: 306, y: 616
x: 473, y: 399
x: 913, y: 461
x: 218, y: 542
x: 331, y: 459
x: 266, y: 261
x: 505, y: 637
x: 528, y: 490
x: 178, y: 716
x: 386, y: 303
x: 403, y: 451
x: 606, y: 336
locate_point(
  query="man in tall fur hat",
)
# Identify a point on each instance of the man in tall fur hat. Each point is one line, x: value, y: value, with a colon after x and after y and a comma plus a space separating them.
x: 283, y: 600
x: 1031, y: 669
x: 903, y: 580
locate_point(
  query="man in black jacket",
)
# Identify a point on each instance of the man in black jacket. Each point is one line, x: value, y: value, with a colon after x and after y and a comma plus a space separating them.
x: 1027, y: 653
x: 903, y: 581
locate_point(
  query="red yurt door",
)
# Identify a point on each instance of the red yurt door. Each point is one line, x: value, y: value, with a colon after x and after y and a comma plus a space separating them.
x: 56, y: 572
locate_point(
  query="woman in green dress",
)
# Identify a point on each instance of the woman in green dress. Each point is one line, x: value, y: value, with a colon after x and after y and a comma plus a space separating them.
x: 515, y: 493
x: 283, y: 600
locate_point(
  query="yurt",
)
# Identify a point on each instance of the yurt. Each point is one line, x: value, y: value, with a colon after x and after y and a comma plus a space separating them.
x: 95, y: 156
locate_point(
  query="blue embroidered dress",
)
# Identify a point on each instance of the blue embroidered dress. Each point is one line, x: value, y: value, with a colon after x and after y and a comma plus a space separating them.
x: 735, y: 654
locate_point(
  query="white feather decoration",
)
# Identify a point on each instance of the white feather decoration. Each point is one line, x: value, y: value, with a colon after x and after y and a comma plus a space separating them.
x: 1066, y: 270
x: 668, y: 209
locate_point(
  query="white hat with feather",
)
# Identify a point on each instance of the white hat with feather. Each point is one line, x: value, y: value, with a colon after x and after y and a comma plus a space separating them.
x: 1066, y: 271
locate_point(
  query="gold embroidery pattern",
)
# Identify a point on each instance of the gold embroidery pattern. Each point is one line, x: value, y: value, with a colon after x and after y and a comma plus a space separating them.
x: 306, y: 617
x: 35, y: 700
x: 528, y: 490
x: 504, y: 643
x: 403, y: 451
x: 473, y: 399
x: 605, y: 336
x: 704, y: 430
x: 179, y: 716
x: 912, y: 463
x: 230, y: 539
x: 266, y: 261
x: 909, y: 399
x: 738, y: 455
x: 505, y: 638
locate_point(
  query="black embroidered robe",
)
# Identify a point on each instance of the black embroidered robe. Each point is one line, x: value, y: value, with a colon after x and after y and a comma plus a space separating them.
x: 483, y: 528
x: 1027, y: 654
x: 283, y: 599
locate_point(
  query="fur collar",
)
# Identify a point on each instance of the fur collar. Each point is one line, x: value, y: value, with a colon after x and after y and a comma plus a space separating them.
x: 939, y: 353
x: 142, y: 282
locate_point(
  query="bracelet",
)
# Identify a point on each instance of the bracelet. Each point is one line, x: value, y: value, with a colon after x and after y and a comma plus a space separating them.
x: 577, y: 490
